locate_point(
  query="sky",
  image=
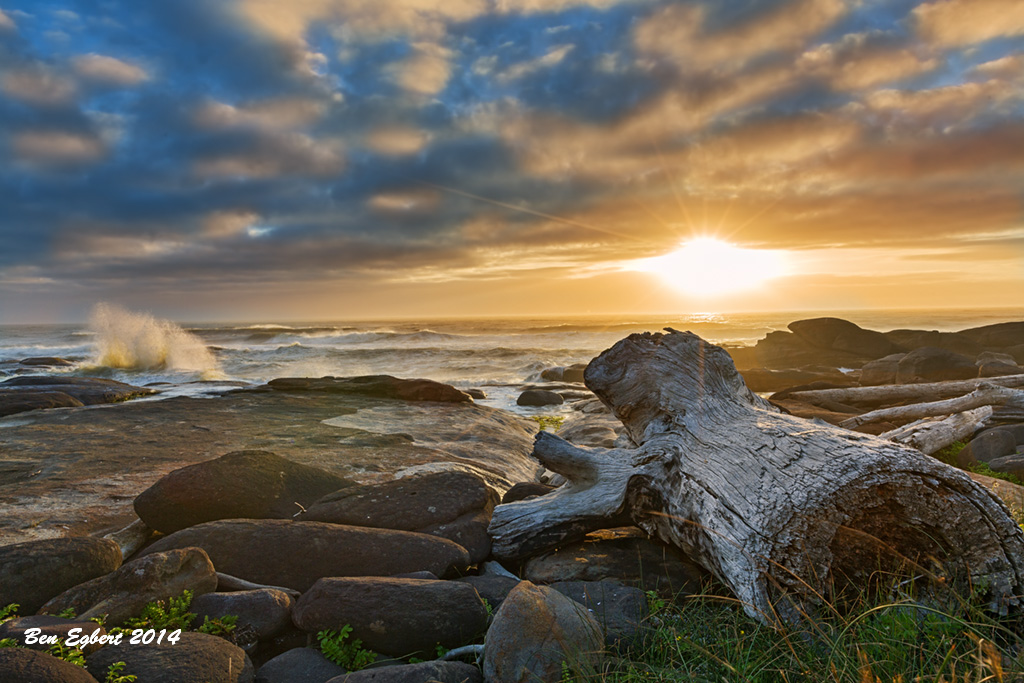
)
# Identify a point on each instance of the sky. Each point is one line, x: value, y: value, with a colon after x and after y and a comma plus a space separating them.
x: 354, y: 159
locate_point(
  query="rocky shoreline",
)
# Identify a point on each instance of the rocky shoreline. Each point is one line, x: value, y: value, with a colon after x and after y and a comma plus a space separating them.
x: 361, y: 506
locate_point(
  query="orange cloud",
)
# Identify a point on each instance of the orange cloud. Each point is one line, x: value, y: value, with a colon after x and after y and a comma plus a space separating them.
x: 397, y: 140
x: 854, y: 63
x: 276, y: 155
x: 426, y: 72
x: 678, y: 32
x: 275, y: 114
x: 38, y: 86
x: 953, y: 23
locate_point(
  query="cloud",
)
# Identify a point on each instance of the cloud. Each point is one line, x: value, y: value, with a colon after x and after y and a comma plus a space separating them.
x: 38, y: 85
x: 681, y: 33
x: 285, y: 113
x: 860, y: 61
x: 397, y: 141
x: 57, y: 148
x: 551, y: 58
x: 272, y: 155
x: 955, y: 23
x: 108, y: 70
x: 228, y: 224
x: 405, y: 202
x: 6, y: 23
x: 426, y: 72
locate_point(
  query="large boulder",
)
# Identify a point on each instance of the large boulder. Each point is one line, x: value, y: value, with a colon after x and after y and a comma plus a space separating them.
x: 298, y: 665
x: 18, y: 665
x: 536, y: 632
x: 781, y: 350
x: 492, y: 589
x: 395, y: 616
x: 1000, y: 335
x: 844, y: 336
x: 243, y: 484
x: 32, y: 573
x: 453, y: 505
x: 32, y: 389
x: 951, y: 341
x: 987, y: 446
x: 378, y: 386
x: 123, y: 593
x: 625, y: 554
x: 423, y: 672
x: 881, y: 371
x: 268, y: 611
x: 195, y: 658
x: 296, y: 554
x: 932, y: 364
x: 539, y: 397
x: 620, y: 610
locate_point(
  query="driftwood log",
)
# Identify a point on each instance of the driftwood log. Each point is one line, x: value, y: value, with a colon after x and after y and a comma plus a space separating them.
x: 986, y: 394
x: 782, y: 510
x: 889, y: 394
x: 932, y: 434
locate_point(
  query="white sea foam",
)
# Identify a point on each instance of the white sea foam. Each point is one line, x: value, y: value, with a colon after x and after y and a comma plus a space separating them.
x: 138, y: 341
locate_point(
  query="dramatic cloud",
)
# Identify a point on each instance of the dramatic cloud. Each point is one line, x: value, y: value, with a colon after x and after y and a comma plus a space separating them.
x: 479, y: 149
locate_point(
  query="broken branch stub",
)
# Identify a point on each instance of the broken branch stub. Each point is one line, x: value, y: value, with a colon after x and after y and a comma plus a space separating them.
x: 773, y: 505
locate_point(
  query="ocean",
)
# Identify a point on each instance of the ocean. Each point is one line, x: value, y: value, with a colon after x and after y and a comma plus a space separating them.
x: 498, y: 356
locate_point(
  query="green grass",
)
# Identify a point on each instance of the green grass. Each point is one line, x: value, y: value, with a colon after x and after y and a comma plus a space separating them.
x: 895, y: 637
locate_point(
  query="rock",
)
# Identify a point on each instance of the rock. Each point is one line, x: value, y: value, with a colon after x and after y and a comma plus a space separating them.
x: 881, y: 371
x: 378, y: 386
x: 538, y: 397
x: 620, y: 610
x: 45, y: 362
x: 18, y: 665
x: 951, y: 341
x: 267, y: 610
x: 1000, y: 335
x: 1017, y: 351
x: 931, y: 364
x: 987, y: 446
x: 123, y: 593
x: 32, y: 573
x: 196, y: 658
x: 994, y: 356
x: 1016, y: 431
x: 763, y: 379
x: 243, y: 484
x: 783, y: 350
x: 535, y: 632
x: 86, y: 390
x: 50, y: 626
x: 423, y: 672
x: 395, y: 616
x: 299, y: 665
x: 426, y: 576
x: 998, y: 369
x: 524, y: 490
x: 490, y: 588
x: 552, y: 374
x: 449, y: 504
x: 476, y: 393
x: 844, y: 336
x: 1011, y: 464
x: 624, y: 554
x: 296, y: 554
x: 407, y: 504
x: 12, y: 402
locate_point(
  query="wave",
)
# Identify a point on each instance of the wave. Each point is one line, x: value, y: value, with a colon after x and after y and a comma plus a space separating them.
x: 138, y: 341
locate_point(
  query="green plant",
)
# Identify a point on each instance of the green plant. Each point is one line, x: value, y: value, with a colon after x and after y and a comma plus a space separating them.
x: 9, y: 612
x: 114, y: 674
x: 488, y: 609
x: 68, y: 613
x: 9, y: 642
x: 68, y: 654
x: 221, y: 626
x: 350, y: 655
x: 169, y: 614
x: 548, y: 423
x: 949, y: 453
x: 983, y: 468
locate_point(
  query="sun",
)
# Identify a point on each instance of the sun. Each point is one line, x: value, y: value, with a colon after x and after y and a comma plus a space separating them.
x: 709, y: 267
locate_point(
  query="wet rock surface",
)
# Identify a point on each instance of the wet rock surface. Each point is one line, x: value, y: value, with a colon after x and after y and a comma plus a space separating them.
x: 32, y: 573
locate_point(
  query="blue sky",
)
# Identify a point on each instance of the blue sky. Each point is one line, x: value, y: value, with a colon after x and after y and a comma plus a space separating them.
x: 326, y: 159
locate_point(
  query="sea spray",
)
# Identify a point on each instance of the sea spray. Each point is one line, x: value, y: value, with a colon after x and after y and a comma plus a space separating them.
x: 138, y: 341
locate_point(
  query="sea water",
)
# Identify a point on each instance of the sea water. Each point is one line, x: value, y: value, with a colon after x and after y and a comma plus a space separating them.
x: 497, y: 355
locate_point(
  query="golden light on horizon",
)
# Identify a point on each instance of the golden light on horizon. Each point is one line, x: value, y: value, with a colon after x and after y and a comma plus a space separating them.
x: 709, y: 267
